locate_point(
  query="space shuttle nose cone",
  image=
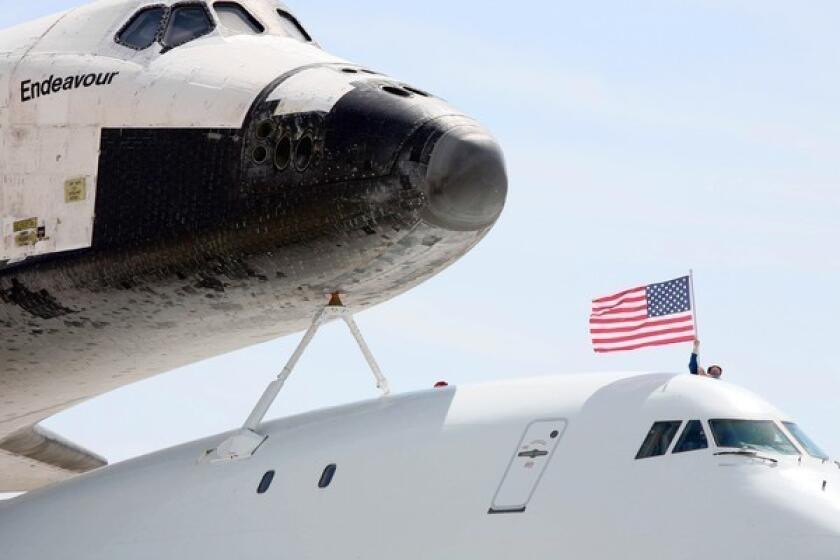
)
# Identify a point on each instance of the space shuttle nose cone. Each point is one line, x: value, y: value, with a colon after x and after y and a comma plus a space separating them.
x: 466, y: 181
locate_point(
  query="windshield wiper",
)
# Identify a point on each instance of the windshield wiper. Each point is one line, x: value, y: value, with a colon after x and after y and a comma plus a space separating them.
x: 748, y: 453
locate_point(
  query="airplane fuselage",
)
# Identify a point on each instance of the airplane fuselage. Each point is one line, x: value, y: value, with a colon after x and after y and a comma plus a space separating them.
x: 539, y: 468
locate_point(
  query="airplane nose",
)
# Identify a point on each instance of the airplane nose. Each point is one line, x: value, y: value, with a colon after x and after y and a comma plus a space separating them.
x: 466, y: 182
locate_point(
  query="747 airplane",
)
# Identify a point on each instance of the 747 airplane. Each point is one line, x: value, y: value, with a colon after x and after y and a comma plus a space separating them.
x: 595, y: 466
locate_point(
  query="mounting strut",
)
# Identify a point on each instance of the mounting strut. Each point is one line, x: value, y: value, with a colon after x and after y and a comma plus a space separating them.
x: 245, y: 442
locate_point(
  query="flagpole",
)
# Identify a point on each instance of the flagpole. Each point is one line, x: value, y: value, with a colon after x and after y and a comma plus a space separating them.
x: 693, y: 302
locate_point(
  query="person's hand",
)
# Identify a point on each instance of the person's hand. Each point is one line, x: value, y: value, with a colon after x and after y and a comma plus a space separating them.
x: 696, y: 345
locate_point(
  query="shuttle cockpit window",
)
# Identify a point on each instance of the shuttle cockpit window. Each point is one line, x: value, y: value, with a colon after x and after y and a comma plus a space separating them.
x: 692, y: 438
x: 659, y: 439
x: 753, y: 435
x: 807, y: 443
x: 292, y: 27
x: 142, y: 30
x: 186, y: 23
x: 237, y: 19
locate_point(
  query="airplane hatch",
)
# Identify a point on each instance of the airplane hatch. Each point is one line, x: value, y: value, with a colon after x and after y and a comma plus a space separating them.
x: 527, y: 466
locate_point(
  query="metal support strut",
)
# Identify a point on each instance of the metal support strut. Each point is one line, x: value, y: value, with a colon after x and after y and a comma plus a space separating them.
x: 245, y: 442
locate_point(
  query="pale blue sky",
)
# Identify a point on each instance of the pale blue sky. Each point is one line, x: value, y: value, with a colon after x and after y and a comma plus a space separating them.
x: 642, y: 139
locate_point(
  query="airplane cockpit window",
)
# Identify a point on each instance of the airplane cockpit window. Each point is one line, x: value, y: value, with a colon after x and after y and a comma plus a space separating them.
x: 292, y: 27
x: 692, y: 438
x: 812, y: 448
x: 237, y: 19
x: 142, y: 30
x: 754, y: 435
x: 186, y: 23
x: 659, y: 439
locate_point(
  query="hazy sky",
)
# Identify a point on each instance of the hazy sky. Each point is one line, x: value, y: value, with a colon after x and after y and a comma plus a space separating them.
x: 643, y: 138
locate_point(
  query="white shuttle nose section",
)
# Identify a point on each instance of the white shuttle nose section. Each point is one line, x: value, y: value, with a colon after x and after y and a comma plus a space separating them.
x: 466, y: 182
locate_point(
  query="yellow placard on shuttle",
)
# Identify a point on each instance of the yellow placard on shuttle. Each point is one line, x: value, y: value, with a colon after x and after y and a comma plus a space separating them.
x: 26, y: 238
x: 75, y: 190
x: 23, y: 225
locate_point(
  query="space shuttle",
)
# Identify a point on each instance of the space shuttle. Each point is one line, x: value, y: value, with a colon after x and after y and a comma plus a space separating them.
x: 180, y: 180
x: 186, y: 178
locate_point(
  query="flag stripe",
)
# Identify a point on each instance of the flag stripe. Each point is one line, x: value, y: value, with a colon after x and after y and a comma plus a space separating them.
x: 634, y: 326
x: 638, y: 336
x: 619, y: 294
x: 616, y: 310
x: 624, y: 316
x: 604, y: 350
x: 614, y: 322
x: 649, y: 334
x: 622, y: 301
x: 610, y: 320
x: 645, y: 338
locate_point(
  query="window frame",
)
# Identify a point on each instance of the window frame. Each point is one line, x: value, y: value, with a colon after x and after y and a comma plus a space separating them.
x: 246, y: 11
x: 671, y: 442
x: 163, y: 22
x: 786, y: 425
x: 770, y: 421
x: 208, y: 12
x: 679, y: 439
x: 289, y: 16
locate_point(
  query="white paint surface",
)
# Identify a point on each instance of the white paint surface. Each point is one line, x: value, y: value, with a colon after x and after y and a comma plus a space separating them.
x: 416, y: 474
x: 53, y: 138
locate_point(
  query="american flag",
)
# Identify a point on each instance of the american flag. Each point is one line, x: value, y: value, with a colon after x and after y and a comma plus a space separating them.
x: 653, y: 315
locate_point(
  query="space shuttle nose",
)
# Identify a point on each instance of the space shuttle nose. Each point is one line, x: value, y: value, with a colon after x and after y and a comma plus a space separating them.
x: 466, y: 181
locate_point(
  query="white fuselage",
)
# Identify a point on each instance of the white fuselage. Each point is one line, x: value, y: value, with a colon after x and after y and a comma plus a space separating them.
x: 530, y: 469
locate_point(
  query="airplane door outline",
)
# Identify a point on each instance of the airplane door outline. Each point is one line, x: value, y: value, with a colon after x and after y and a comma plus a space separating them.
x: 527, y: 465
